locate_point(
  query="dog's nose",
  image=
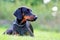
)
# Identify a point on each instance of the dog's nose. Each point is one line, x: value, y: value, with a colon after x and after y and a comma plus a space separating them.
x: 35, y: 18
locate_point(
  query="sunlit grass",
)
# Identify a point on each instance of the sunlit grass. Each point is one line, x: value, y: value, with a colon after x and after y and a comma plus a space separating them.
x: 38, y: 35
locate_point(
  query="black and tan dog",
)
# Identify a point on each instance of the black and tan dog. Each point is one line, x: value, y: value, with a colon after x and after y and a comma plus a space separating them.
x: 22, y: 24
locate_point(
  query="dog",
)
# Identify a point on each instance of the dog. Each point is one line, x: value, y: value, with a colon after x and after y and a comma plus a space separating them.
x: 21, y: 25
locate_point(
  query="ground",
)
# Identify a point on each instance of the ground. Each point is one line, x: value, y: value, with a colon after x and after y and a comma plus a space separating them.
x: 38, y: 35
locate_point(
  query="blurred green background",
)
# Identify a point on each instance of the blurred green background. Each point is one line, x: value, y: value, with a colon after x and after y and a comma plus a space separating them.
x: 46, y: 20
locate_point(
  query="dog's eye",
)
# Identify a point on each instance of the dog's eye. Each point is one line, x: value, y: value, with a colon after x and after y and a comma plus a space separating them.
x: 29, y: 10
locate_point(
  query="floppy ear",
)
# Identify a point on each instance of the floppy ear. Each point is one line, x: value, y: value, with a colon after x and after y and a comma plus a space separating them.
x: 18, y: 13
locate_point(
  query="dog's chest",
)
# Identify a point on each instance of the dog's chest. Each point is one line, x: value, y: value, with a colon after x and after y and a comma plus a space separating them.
x: 20, y: 29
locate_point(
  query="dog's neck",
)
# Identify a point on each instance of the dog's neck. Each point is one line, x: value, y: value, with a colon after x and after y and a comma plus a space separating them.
x: 20, y: 22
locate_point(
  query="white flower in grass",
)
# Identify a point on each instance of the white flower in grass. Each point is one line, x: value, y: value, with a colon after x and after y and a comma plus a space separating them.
x: 46, y: 1
x: 54, y: 11
x: 54, y: 14
x: 55, y: 8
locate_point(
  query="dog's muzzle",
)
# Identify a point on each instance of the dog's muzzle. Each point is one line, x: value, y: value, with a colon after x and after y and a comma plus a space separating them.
x: 35, y: 18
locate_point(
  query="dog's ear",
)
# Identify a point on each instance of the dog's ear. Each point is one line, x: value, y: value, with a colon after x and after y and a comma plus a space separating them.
x: 18, y: 13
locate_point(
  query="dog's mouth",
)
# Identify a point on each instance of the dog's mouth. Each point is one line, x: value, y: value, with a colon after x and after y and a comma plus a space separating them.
x: 32, y: 18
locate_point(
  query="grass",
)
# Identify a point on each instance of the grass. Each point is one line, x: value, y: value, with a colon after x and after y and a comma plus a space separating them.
x: 38, y: 35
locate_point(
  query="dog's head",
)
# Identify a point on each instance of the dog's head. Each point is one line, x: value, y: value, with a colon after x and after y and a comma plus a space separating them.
x: 25, y: 13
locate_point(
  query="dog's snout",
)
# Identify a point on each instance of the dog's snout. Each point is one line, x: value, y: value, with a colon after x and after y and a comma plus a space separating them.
x: 35, y: 17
